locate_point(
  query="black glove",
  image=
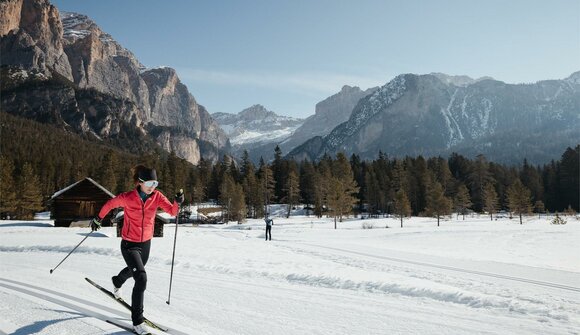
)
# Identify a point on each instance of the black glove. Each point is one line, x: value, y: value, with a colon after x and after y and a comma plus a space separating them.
x: 179, y: 198
x: 96, y: 223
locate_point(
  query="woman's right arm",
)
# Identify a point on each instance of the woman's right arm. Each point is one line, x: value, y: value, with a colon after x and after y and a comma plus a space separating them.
x: 118, y: 201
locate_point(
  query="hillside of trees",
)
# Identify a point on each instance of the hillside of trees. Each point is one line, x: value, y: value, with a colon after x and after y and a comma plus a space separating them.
x: 36, y: 160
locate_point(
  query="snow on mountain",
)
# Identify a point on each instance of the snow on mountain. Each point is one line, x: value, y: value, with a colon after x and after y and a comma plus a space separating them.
x: 79, y: 26
x: 461, y: 80
x: 425, y: 115
x: 256, y: 125
x: 471, y: 276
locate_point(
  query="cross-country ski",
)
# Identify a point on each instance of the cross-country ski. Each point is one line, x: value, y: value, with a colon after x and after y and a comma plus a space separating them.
x: 124, y: 304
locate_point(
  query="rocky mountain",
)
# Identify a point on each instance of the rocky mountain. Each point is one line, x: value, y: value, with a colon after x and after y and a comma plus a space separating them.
x: 256, y: 127
x: 62, y: 68
x: 425, y: 115
x: 328, y: 114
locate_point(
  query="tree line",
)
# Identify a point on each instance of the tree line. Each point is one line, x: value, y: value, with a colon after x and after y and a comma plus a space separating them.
x: 36, y: 160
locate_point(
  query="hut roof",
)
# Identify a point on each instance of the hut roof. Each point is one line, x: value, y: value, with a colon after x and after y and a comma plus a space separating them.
x: 59, y: 193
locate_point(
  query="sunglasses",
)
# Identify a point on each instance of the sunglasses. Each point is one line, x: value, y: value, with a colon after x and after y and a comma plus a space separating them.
x: 149, y: 183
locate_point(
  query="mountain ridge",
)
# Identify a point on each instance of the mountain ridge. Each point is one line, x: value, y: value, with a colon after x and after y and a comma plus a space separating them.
x: 422, y: 115
x: 38, y: 48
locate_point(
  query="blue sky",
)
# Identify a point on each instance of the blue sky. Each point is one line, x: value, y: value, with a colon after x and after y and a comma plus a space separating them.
x: 290, y: 54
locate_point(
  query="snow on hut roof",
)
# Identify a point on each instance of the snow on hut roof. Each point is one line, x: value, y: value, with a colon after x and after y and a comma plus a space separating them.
x: 58, y: 193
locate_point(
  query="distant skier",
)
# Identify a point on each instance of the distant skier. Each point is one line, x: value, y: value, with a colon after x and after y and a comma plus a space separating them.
x: 140, y: 206
x: 269, y: 223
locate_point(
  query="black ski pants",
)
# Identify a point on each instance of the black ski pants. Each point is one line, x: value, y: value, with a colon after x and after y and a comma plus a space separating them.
x: 136, y: 255
x: 268, y: 232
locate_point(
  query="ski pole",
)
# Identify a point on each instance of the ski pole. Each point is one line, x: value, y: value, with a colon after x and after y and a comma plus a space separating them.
x: 173, y: 257
x: 75, y: 248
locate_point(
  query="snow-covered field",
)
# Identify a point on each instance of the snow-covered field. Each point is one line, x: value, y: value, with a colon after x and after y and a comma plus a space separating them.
x: 465, y: 277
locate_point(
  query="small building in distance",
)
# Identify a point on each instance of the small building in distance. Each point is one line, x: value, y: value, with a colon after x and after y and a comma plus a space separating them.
x: 79, y: 201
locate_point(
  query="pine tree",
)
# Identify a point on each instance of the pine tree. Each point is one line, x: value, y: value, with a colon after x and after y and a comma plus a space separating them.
x: 227, y: 194
x: 278, y: 173
x: 307, y: 184
x: 532, y: 180
x: 215, y: 181
x: 341, y: 197
x: 550, y: 183
x: 569, y: 181
x: 539, y: 207
x: 253, y: 195
x: 292, y: 191
x: 402, y: 205
x: 30, y: 198
x: 266, y: 182
x: 238, y: 204
x: 519, y: 199
x: 437, y: 203
x: 106, y: 175
x: 247, y: 165
x: 343, y: 189
x: 372, y: 191
x: 489, y: 199
x: 418, y: 179
x: 204, y: 172
x: 357, y: 167
x: 321, y: 187
x: 479, y: 175
x: 442, y: 173
x: 462, y: 201
x: 384, y: 190
x: 8, y: 202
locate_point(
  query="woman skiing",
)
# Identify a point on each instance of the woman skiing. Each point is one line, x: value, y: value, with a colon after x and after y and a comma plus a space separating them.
x: 140, y: 206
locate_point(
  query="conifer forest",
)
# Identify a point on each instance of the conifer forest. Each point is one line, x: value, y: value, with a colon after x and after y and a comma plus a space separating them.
x: 38, y: 160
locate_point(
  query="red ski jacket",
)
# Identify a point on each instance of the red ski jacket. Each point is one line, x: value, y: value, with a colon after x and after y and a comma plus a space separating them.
x: 139, y: 217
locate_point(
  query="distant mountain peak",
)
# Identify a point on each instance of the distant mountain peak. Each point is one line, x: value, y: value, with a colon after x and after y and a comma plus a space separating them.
x: 256, y: 125
x: 458, y: 80
x: 79, y: 26
x: 256, y: 111
x: 574, y: 78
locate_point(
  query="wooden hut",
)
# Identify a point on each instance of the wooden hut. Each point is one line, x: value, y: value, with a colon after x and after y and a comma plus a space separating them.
x: 79, y: 201
x: 157, y: 229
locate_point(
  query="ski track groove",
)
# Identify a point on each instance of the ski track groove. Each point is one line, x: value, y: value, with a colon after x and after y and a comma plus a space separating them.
x: 450, y: 268
x: 69, y: 305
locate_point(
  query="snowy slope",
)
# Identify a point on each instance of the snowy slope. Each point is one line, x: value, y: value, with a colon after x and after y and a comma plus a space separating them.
x: 465, y: 277
x: 256, y: 125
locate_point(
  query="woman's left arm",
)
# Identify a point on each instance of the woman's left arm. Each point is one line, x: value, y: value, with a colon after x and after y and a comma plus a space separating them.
x: 167, y: 206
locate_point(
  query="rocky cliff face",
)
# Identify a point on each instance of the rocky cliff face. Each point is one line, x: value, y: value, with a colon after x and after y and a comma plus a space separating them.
x: 262, y: 137
x: 423, y: 115
x: 329, y: 113
x: 64, y: 56
x: 31, y: 37
x: 99, y: 62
